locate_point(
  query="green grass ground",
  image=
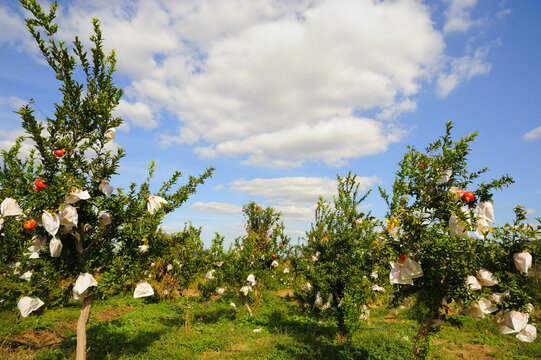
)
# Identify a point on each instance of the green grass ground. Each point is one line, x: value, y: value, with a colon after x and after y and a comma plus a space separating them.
x: 126, y: 328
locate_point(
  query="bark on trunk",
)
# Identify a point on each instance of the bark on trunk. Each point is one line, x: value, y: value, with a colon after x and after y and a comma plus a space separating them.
x: 420, y: 344
x: 246, y: 305
x: 187, y: 315
x: 81, y: 328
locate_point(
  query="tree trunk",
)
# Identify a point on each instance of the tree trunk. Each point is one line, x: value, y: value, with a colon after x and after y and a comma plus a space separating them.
x: 245, y: 302
x: 186, y: 315
x: 81, y: 328
x: 421, y: 342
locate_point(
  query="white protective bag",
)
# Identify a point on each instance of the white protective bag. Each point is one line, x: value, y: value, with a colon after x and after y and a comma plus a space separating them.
x: 143, y: 289
x: 82, y: 285
x: 523, y: 261
x: 154, y: 203
x: 10, y: 207
x: 55, y: 246
x: 28, y: 304
x: 50, y: 222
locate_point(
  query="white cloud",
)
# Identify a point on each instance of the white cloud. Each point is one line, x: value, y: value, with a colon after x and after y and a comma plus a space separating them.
x: 7, y: 140
x: 219, y: 187
x: 530, y: 211
x: 295, y: 197
x: 501, y: 14
x: 13, y: 31
x: 458, y: 18
x: 334, y: 140
x: 393, y: 111
x: 216, y: 207
x: 247, y: 72
x: 137, y: 113
x: 13, y: 102
x: 462, y: 70
x: 533, y: 134
x: 242, y: 76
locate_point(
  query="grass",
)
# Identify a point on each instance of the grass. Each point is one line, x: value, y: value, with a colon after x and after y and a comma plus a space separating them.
x: 127, y: 328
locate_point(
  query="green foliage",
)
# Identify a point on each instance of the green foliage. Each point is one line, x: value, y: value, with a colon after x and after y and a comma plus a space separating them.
x: 422, y: 209
x: 69, y: 152
x: 253, y: 254
x: 340, y: 256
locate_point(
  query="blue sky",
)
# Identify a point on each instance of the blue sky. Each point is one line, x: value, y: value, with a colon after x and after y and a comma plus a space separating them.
x: 280, y: 96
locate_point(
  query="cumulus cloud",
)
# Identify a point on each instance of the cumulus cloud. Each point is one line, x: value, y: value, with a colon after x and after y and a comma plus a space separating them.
x: 249, y: 73
x: 138, y: 114
x: 462, y: 70
x: 216, y: 207
x: 458, y: 17
x: 530, y: 211
x: 295, y: 197
x: 533, y: 134
x: 243, y: 76
x: 393, y: 111
x: 334, y: 141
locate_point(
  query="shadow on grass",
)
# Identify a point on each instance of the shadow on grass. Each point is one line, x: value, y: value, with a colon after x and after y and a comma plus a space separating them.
x: 310, y: 339
x: 112, y: 340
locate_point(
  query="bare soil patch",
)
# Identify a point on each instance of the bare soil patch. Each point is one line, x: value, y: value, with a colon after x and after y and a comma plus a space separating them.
x: 467, y: 351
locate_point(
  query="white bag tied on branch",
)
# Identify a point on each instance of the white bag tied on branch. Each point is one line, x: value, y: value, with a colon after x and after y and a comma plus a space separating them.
x: 245, y: 290
x: 104, y: 219
x: 472, y: 283
x: 251, y: 279
x: 512, y: 322
x: 457, y: 226
x: 210, y: 274
x: 318, y: 303
x: 480, y: 308
x: 26, y: 276
x: 498, y: 297
x: 486, y: 278
x: 39, y: 242
x: 395, y: 276
x: 528, y: 334
x: 142, y: 249
x: 105, y: 188
x: 482, y: 228
x: 220, y: 291
x: 28, y: 304
x: 55, y: 247
x: 143, y: 289
x: 76, y: 195
x: 274, y: 264
x: 410, y: 269
x: 523, y: 261
x: 485, y: 210
x: 445, y: 176
x: 286, y: 271
x: 154, y: 203
x: 82, y: 286
x: 110, y: 134
x: 404, y: 272
x: 456, y: 193
x: 307, y: 287
x: 10, y: 207
x: 68, y: 216
x: 50, y: 222
x: 378, y: 288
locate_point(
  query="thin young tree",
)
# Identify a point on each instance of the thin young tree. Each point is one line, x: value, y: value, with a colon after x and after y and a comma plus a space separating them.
x: 442, y: 247
x: 60, y: 193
